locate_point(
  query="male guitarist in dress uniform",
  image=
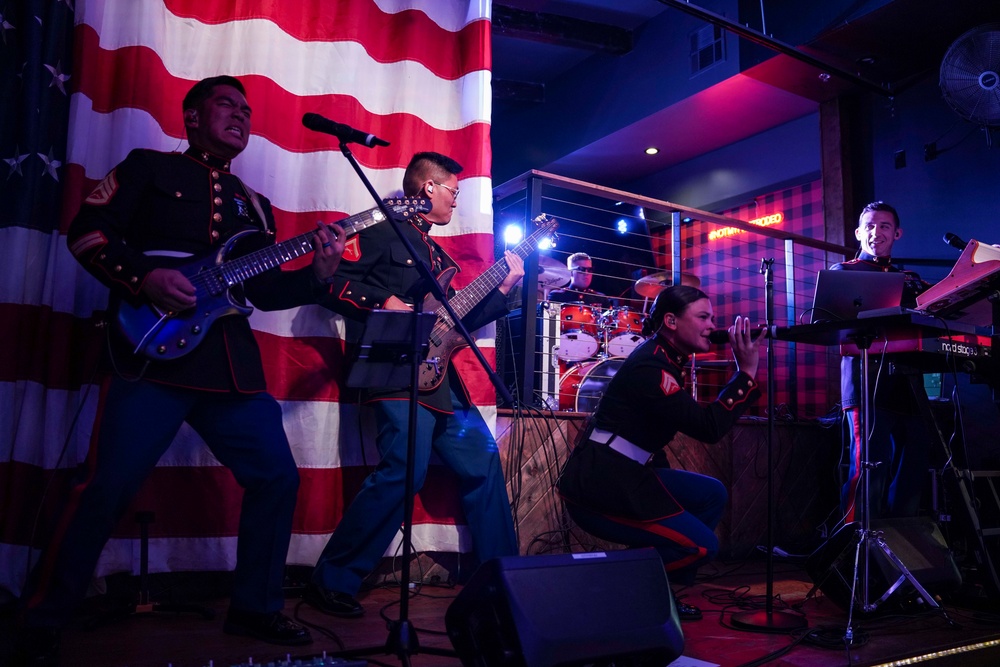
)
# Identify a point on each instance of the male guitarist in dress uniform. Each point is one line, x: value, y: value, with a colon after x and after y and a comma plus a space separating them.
x: 378, y: 273
x: 155, y: 211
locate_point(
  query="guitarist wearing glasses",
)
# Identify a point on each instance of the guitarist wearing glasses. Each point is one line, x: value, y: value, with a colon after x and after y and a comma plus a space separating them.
x: 378, y: 273
x: 148, y: 218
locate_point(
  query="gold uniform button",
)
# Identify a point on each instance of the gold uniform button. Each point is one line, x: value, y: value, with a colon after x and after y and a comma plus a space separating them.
x: 348, y: 292
x: 103, y: 256
x: 118, y: 267
x: 217, y: 187
x: 217, y: 201
x: 409, y: 261
x: 178, y: 194
x: 217, y: 217
x: 215, y: 234
x: 133, y: 280
x: 739, y: 392
x: 729, y: 401
x: 364, y: 299
x: 215, y: 174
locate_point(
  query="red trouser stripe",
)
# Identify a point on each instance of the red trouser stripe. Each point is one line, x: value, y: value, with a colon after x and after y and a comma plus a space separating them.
x: 679, y: 538
x: 852, y: 489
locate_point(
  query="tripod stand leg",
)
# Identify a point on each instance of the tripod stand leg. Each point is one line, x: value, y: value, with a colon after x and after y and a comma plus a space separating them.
x: 849, y: 631
x: 905, y: 574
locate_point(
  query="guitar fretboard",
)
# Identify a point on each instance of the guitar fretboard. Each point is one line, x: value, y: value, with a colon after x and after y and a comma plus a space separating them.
x: 235, y: 271
x: 473, y: 293
x: 252, y: 264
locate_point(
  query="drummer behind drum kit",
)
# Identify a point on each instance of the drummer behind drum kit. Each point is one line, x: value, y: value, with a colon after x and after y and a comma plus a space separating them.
x: 586, y: 345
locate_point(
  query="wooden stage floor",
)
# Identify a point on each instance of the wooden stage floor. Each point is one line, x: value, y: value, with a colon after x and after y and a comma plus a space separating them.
x: 970, y: 637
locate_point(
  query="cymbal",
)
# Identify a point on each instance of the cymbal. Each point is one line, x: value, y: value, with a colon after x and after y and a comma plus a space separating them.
x: 552, y: 273
x: 651, y: 285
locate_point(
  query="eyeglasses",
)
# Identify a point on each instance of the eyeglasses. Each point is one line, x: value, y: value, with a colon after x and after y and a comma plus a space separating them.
x: 453, y: 191
x: 583, y: 269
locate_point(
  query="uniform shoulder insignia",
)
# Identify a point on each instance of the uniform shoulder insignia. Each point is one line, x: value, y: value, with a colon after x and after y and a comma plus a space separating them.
x: 104, y: 191
x: 668, y: 384
x: 352, y: 250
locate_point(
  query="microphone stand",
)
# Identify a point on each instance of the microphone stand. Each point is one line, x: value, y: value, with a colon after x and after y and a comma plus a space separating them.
x: 769, y: 620
x: 402, y: 639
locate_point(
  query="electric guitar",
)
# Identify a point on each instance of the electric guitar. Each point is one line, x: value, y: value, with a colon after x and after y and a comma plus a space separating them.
x: 444, y: 340
x: 163, y: 335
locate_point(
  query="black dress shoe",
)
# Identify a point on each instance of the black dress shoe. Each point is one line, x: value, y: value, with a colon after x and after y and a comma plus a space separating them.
x: 687, y: 612
x: 333, y: 603
x: 36, y: 647
x: 273, y: 627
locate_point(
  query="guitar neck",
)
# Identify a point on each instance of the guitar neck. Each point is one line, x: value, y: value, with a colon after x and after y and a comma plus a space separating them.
x: 252, y: 264
x: 473, y: 293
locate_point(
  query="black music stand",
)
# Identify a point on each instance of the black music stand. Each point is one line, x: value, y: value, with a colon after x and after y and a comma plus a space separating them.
x: 393, y: 346
x: 387, y: 350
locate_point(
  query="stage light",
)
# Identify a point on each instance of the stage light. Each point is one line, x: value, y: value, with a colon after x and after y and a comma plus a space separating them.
x: 512, y: 234
x: 546, y: 243
x: 622, y: 225
x: 652, y: 150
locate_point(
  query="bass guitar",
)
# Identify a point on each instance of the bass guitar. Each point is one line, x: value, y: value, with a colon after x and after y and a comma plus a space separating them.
x: 444, y: 340
x: 163, y: 335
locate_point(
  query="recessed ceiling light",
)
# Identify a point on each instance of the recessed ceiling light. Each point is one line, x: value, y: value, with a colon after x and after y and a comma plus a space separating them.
x: 652, y: 150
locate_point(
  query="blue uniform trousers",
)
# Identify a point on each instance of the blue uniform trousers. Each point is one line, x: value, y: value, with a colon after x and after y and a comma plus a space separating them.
x: 685, y: 540
x: 136, y: 423
x: 463, y: 442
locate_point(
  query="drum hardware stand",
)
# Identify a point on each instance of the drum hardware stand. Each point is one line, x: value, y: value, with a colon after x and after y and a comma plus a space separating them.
x: 769, y: 620
x: 864, y: 535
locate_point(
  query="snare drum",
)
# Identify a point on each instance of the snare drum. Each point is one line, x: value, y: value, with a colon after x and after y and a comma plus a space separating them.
x: 583, y: 385
x: 624, y: 331
x: 577, y: 332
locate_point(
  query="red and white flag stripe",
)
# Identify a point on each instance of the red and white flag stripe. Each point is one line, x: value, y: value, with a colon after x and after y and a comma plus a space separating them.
x: 414, y: 72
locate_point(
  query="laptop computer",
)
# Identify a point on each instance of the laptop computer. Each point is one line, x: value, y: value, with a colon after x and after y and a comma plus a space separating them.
x: 847, y: 295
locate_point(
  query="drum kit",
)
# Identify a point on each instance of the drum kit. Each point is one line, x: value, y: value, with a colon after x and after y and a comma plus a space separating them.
x: 593, y: 342
x: 588, y: 330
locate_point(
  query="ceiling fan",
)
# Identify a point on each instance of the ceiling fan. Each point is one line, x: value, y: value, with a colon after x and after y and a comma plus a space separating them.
x: 970, y: 76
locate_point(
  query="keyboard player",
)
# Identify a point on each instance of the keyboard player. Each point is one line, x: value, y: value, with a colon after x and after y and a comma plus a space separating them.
x: 900, y: 432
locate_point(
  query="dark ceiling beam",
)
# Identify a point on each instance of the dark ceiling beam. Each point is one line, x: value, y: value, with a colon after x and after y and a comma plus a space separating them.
x: 779, y: 46
x: 560, y: 30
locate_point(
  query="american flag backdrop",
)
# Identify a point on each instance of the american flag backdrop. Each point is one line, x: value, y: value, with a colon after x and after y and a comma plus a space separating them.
x: 84, y: 82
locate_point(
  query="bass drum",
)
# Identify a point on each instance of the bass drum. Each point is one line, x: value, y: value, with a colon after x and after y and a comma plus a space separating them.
x: 582, y: 387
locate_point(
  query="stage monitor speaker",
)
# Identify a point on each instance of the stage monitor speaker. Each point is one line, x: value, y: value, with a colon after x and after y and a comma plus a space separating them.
x: 916, y: 541
x: 567, y: 609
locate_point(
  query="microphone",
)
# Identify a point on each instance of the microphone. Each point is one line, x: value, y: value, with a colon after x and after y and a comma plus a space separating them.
x: 721, y: 336
x: 954, y: 241
x: 345, y: 133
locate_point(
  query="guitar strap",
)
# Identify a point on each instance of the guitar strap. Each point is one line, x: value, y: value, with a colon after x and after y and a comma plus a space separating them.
x: 255, y: 200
